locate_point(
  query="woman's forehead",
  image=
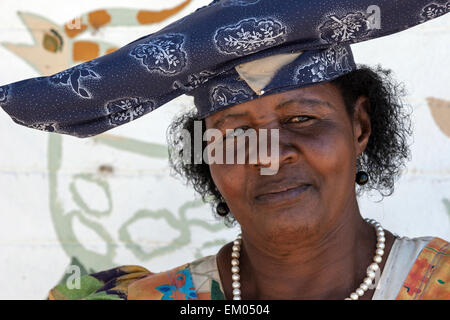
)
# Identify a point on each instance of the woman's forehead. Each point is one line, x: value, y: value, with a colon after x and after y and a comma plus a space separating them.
x: 323, y: 94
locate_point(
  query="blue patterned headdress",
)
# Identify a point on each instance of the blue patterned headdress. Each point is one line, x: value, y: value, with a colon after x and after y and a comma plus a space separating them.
x: 226, y: 53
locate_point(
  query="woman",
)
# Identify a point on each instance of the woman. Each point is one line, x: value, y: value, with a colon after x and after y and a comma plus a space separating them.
x: 303, y: 236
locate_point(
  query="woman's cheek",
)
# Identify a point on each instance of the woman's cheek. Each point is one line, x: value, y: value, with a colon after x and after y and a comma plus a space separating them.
x: 229, y: 179
x: 328, y: 150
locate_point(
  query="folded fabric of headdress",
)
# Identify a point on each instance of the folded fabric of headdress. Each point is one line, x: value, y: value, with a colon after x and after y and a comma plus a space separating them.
x: 224, y: 54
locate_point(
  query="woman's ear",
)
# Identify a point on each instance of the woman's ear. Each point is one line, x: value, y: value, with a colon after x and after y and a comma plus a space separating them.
x: 361, y: 124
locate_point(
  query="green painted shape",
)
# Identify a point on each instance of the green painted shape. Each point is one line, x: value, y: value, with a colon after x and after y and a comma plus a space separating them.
x: 216, y: 293
x: 147, y: 149
x: 88, y: 285
x: 197, y: 222
x: 82, y: 204
x: 181, y: 224
x: 120, y: 17
x: 63, y: 221
x: 75, y: 262
x: 209, y: 244
x: 178, y: 225
x: 447, y: 206
x: 441, y: 282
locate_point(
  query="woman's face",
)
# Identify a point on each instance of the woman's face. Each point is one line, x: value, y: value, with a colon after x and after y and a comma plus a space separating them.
x: 319, y: 143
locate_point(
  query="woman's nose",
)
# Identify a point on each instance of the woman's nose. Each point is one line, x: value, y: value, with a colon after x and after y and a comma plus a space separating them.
x: 275, y: 150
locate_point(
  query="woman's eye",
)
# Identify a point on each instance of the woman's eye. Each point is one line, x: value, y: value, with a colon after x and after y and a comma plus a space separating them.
x: 237, y: 132
x: 299, y: 119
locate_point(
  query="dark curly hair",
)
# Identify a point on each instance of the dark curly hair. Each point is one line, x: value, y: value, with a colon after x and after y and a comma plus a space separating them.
x: 383, y: 159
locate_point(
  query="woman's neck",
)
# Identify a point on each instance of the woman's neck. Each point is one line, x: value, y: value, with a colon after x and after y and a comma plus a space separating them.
x: 328, y: 266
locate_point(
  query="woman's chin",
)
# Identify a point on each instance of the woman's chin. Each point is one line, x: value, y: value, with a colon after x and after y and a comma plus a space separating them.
x: 295, y: 207
x: 288, y: 233
x: 289, y: 222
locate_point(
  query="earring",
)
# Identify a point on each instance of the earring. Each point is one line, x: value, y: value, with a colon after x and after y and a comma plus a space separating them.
x: 362, y: 178
x: 222, y: 209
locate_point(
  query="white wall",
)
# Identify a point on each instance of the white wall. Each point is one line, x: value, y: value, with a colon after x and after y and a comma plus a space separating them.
x: 56, y: 203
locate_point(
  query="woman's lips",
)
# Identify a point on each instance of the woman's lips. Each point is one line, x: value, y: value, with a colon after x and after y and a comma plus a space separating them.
x: 282, y: 196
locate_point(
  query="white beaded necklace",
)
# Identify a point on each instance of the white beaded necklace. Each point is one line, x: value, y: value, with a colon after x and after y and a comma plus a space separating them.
x: 359, y: 292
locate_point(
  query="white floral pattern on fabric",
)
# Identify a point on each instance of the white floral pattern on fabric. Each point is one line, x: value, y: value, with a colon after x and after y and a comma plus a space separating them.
x: 195, y: 80
x: 73, y: 76
x: 128, y: 109
x: 4, y: 94
x: 47, y: 127
x: 164, y: 54
x: 434, y: 10
x: 222, y: 97
x: 354, y: 25
x: 249, y: 36
x: 325, y: 66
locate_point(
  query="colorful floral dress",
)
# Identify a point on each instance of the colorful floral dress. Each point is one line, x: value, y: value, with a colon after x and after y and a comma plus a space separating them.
x: 192, y: 281
x: 428, y: 278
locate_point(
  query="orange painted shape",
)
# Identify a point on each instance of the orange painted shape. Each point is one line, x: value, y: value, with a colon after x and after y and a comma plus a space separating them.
x: 85, y: 50
x: 429, y: 277
x: 72, y: 29
x: 110, y: 50
x: 99, y: 18
x: 147, y: 17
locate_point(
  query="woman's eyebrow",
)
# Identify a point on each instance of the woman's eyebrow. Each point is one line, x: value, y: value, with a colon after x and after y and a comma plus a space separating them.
x: 281, y: 105
x: 228, y: 116
x: 304, y: 101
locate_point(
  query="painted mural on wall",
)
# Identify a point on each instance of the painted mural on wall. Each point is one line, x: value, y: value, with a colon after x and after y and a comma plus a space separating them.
x: 56, y: 48
x: 63, y: 218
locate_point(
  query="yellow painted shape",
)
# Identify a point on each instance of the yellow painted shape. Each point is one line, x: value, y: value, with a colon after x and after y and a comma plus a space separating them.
x: 440, y: 109
x: 147, y: 17
x: 44, y: 61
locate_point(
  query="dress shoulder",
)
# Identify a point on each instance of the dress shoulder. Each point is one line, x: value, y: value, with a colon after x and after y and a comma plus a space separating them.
x: 197, y: 280
x: 111, y: 284
x: 191, y: 281
x: 429, y: 277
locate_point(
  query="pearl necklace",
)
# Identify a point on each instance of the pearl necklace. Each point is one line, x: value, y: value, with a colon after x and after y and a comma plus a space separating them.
x: 359, y: 292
